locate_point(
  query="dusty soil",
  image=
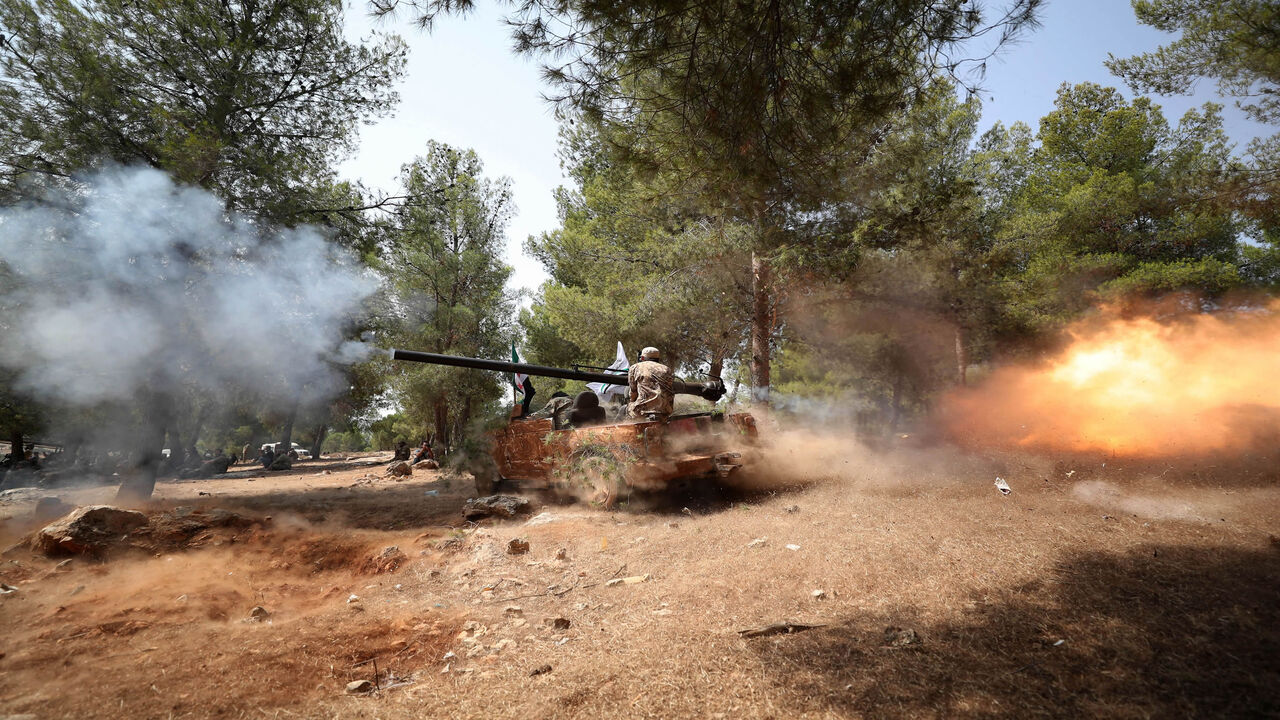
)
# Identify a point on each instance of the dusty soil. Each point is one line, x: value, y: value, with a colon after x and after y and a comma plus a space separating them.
x: 1116, y: 590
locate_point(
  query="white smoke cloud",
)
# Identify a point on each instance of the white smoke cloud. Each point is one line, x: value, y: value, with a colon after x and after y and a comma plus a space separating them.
x: 132, y: 282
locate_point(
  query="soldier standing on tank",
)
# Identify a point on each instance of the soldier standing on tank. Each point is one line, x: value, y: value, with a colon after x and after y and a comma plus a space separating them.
x: 651, y: 386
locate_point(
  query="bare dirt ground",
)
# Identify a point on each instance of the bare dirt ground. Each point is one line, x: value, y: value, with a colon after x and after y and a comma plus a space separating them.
x: 1093, y: 590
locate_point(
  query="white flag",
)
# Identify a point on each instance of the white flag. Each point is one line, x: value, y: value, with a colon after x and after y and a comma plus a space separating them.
x: 620, y: 365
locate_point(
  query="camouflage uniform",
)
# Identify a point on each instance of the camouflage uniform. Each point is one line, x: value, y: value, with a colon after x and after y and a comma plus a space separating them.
x: 651, y: 382
x: 556, y: 409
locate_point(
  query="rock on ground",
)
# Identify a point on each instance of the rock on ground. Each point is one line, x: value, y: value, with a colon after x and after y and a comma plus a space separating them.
x: 400, y: 469
x: 87, y: 530
x: 389, y: 560
x: 504, y: 506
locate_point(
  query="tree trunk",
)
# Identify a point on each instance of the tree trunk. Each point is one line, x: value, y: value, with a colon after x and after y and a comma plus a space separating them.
x: 16, y: 441
x: 442, y: 421
x: 322, y: 431
x: 286, y: 435
x: 140, y: 482
x: 761, y: 328
x: 177, y: 449
x: 199, y: 426
x: 962, y: 357
x: 717, y: 365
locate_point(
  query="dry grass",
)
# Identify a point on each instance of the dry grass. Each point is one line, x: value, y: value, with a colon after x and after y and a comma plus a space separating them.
x: 1161, y: 589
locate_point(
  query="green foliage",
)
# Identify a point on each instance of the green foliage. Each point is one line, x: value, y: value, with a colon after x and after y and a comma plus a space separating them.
x: 353, y: 441
x: 386, y: 432
x: 1112, y: 198
x: 1231, y: 41
x: 254, y: 101
x: 634, y: 262
x: 441, y: 257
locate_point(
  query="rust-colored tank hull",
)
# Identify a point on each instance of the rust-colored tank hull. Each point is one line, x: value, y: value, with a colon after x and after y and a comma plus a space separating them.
x: 608, y: 461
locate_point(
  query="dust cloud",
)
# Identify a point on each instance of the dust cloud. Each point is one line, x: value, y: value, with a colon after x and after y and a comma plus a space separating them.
x: 1136, y: 387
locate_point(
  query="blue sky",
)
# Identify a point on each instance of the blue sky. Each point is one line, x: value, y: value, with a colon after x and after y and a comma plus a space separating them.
x: 465, y: 87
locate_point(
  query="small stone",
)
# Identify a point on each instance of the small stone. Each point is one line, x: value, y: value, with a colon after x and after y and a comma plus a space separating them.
x: 387, y: 561
x: 793, y: 547
x: 901, y: 637
x: 76, y: 590
x: 258, y: 614
x: 540, y: 670
x: 64, y: 566
x: 517, y: 546
x: 560, y: 623
x: 758, y: 542
x: 633, y: 580
x: 562, y: 554
x: 359, y: 687
x: 353, y: 599
x: 400, y: 469
x: 793, y: 509
x: 6, y: 589
x: 513, y: 610
x: 819, y: 594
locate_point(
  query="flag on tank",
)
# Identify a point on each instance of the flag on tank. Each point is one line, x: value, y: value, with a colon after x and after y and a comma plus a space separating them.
x: 521, y: 381
x: 620, y: 365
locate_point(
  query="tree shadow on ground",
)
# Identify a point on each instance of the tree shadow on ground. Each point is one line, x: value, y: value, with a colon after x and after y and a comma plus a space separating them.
x: 1162, y: 631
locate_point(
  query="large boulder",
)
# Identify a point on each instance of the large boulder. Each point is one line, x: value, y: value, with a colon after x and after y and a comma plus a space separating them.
x: 505, y: 506
x: 87, y: 530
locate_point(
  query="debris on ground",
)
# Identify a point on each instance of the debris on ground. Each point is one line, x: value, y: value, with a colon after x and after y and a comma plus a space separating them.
x: 183, y: 523
x: 559, y: 623
x: 793, y: 508
x: 387, y: 561
x: 1003, y: 486
x: 360, y: 687
x: 258, y: 614
x: 793, y: 547
x: 6, y: 589
x: 542, y: 518
x: 901, y: 637
x: 503, y: 506
x: 87, y: 530
x: 818, y: 594
x: 633, y: 580
x: 758, y: 542
x: 517, y: 546
x: 540, y: 670
x: 782, y: 628
x: 562, y: 554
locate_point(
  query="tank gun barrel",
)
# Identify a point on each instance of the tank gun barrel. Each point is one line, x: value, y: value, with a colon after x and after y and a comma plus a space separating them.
x: 711, y: 390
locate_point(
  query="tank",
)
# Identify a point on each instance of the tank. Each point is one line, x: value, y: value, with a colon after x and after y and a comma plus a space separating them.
x: 607, y: 463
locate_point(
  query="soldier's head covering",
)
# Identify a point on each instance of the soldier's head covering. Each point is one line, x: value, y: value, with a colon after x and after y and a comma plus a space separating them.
x: 650, y: 352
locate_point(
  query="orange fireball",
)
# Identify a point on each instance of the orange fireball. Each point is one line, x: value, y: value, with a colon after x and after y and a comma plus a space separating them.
x: 1136, y: 387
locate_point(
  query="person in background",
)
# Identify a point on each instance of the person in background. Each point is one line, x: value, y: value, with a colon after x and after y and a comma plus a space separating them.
x: 555, y: 408
x: 586, y: 410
